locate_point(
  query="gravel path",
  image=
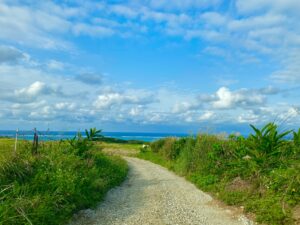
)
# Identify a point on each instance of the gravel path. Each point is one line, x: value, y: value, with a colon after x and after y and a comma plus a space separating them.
x: 153, y: 195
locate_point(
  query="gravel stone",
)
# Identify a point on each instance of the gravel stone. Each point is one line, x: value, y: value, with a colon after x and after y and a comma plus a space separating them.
x: 152, y: 195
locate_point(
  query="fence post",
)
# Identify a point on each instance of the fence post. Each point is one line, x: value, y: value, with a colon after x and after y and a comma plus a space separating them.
x: 16, y: 141
x: 35, y: 142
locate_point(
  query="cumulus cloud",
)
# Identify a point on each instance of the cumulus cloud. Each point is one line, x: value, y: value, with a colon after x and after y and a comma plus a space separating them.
x: 235, y: 106
x: 206, y: 116
x: 226, y: 99
x: 246, y: 29
x: 248, y: 117
x: 185, y: 106
x: 109, y: 100
x: 34, y: 91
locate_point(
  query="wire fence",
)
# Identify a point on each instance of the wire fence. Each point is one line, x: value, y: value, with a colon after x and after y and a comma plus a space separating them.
x: 12, y: 140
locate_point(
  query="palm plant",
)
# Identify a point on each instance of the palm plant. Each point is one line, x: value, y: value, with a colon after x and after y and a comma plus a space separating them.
x: 81, y: 145
x: 265, y: 144
x: 93, y: 134
x: 267, y: 140
x: 296, y: 137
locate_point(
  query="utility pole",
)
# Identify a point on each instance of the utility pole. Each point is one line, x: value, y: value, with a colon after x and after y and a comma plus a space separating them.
x: 35, y: 142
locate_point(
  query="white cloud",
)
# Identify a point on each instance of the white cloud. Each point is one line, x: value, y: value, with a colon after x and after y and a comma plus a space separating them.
x: 124, y: 11
x: 9, y: 54
x: 26, y: 26
x: 109, y: 100
x: 65, y: 106
x: 294, y: 111
x: 206, y: 116
x: 171, y: 19
x: 183, y: 4
x: 137, y: 110
x: 213, y: 18
x: 224, y: 98
x: 274, y: 5
x: 55, y: 65
x: 252, y: 29
x: 185, y: 106
x: 290, y: 71
x: 249, y: 117
x: 257, y: 22
x: 34, y: 91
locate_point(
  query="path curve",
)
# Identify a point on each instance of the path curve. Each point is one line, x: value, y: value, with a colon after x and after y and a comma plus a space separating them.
x: 153, y: 195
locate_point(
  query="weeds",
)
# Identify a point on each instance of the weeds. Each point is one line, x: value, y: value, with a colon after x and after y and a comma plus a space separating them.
x: 63, y: 178
x: 296, y: 137
x: 261, y: 172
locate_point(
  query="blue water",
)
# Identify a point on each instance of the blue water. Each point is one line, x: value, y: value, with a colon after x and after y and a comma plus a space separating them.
x: 62, y: 135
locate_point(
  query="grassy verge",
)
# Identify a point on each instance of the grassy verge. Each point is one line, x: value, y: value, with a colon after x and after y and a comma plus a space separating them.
x: 125, y: 146
x: 49, y: 187
x: 260, y: 173
x: 121, y: 149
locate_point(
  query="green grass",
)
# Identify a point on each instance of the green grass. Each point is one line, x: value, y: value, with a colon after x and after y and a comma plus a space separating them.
x: 124, y: 146
x: 261, y: 173
x: 48, y: 188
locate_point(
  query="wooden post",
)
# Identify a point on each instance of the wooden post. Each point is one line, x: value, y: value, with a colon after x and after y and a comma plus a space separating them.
x: 35, y: 142
x: 16, y: 141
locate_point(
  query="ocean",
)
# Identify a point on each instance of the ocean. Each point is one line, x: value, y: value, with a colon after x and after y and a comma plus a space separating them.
x: 63, y: 135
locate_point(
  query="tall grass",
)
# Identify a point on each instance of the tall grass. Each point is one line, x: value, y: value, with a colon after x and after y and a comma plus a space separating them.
x: 261, y: 172
x: 61, y: 179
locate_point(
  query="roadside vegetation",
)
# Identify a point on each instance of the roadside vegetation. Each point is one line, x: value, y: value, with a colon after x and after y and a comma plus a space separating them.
x: 260, y: 173
x: 63, y: 177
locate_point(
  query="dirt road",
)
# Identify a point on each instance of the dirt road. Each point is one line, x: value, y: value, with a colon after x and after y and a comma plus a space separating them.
x: 153, y: 195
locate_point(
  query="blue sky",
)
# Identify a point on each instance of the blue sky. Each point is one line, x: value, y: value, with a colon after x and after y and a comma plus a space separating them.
x: 149, y: 65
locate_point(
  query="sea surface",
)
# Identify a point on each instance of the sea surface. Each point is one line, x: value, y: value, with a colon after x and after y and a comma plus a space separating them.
x: 63, y: 135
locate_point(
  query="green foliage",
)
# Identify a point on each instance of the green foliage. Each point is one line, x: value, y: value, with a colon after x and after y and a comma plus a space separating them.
x: 270, y: 210
x: 157, y: 145
x: 120, y: 141
x: 266, y: 146
x: 80, y: 145
x: 296, y: 137
x: 93, y: 134
x: 267, y: 140
x: 261, y: 172
x: 63, y: 178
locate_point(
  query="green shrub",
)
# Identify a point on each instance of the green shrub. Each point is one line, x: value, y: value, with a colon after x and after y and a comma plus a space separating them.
x: 270, y: 210
x: 296, y: 138
x: 266, y: 141
x: 157, y: 145
x: 49, y: 187
x: 260, y: 172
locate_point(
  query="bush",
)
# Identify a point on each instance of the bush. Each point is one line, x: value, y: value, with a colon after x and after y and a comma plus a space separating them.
x: 49, y: 187
x: 157, y: 145
x: 260, y: 172
x: 296, y: 138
